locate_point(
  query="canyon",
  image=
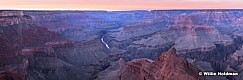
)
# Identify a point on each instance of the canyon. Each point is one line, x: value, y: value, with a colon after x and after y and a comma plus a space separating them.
x: 120, y: 45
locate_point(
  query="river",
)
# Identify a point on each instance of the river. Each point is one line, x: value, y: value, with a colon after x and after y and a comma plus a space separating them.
x: 102, y: 40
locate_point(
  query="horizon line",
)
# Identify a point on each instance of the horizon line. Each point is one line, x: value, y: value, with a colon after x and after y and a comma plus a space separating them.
x: 117, y: 10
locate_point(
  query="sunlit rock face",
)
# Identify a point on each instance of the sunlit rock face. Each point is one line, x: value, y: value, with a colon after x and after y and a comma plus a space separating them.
x: 168, y: 67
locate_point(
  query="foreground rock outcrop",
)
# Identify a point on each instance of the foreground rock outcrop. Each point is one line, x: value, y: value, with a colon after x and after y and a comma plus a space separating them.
x: 168, y: 67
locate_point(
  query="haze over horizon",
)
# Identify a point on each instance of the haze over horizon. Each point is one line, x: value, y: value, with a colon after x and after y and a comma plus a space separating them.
x: 119, y: 5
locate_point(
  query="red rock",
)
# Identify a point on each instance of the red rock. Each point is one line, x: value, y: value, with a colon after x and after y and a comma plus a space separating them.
x: 168, y: 67
x: 204, y: 27
x: 39, y: 36
x: 182, y: 22
x: 212, y: 17
x: 47, y: 51
x: 13, y: 73
x: 14, y: 17
x: 60, y: 44
x: 4, y: 48
x: 12, y: 13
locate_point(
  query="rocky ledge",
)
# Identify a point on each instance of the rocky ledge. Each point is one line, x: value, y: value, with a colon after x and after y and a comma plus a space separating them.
x: 168, y: 67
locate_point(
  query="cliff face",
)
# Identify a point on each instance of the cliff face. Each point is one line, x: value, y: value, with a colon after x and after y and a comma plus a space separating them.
x: 43, y: 54
x: 14, y: 17
x: 202, y: 38
x: 23, y: 48
x: 168, y: 67
x: 213, y: 17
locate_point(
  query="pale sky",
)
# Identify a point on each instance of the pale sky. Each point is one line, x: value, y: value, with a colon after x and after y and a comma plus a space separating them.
x: 119, y: 4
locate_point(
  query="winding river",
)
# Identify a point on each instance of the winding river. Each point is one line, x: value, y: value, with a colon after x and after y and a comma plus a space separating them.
x: 102, y: 40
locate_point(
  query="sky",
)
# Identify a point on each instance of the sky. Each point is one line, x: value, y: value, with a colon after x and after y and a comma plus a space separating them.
x: 114, y: 5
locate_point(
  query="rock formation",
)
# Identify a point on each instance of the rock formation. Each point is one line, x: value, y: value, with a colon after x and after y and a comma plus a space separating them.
x: 168, y: 67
